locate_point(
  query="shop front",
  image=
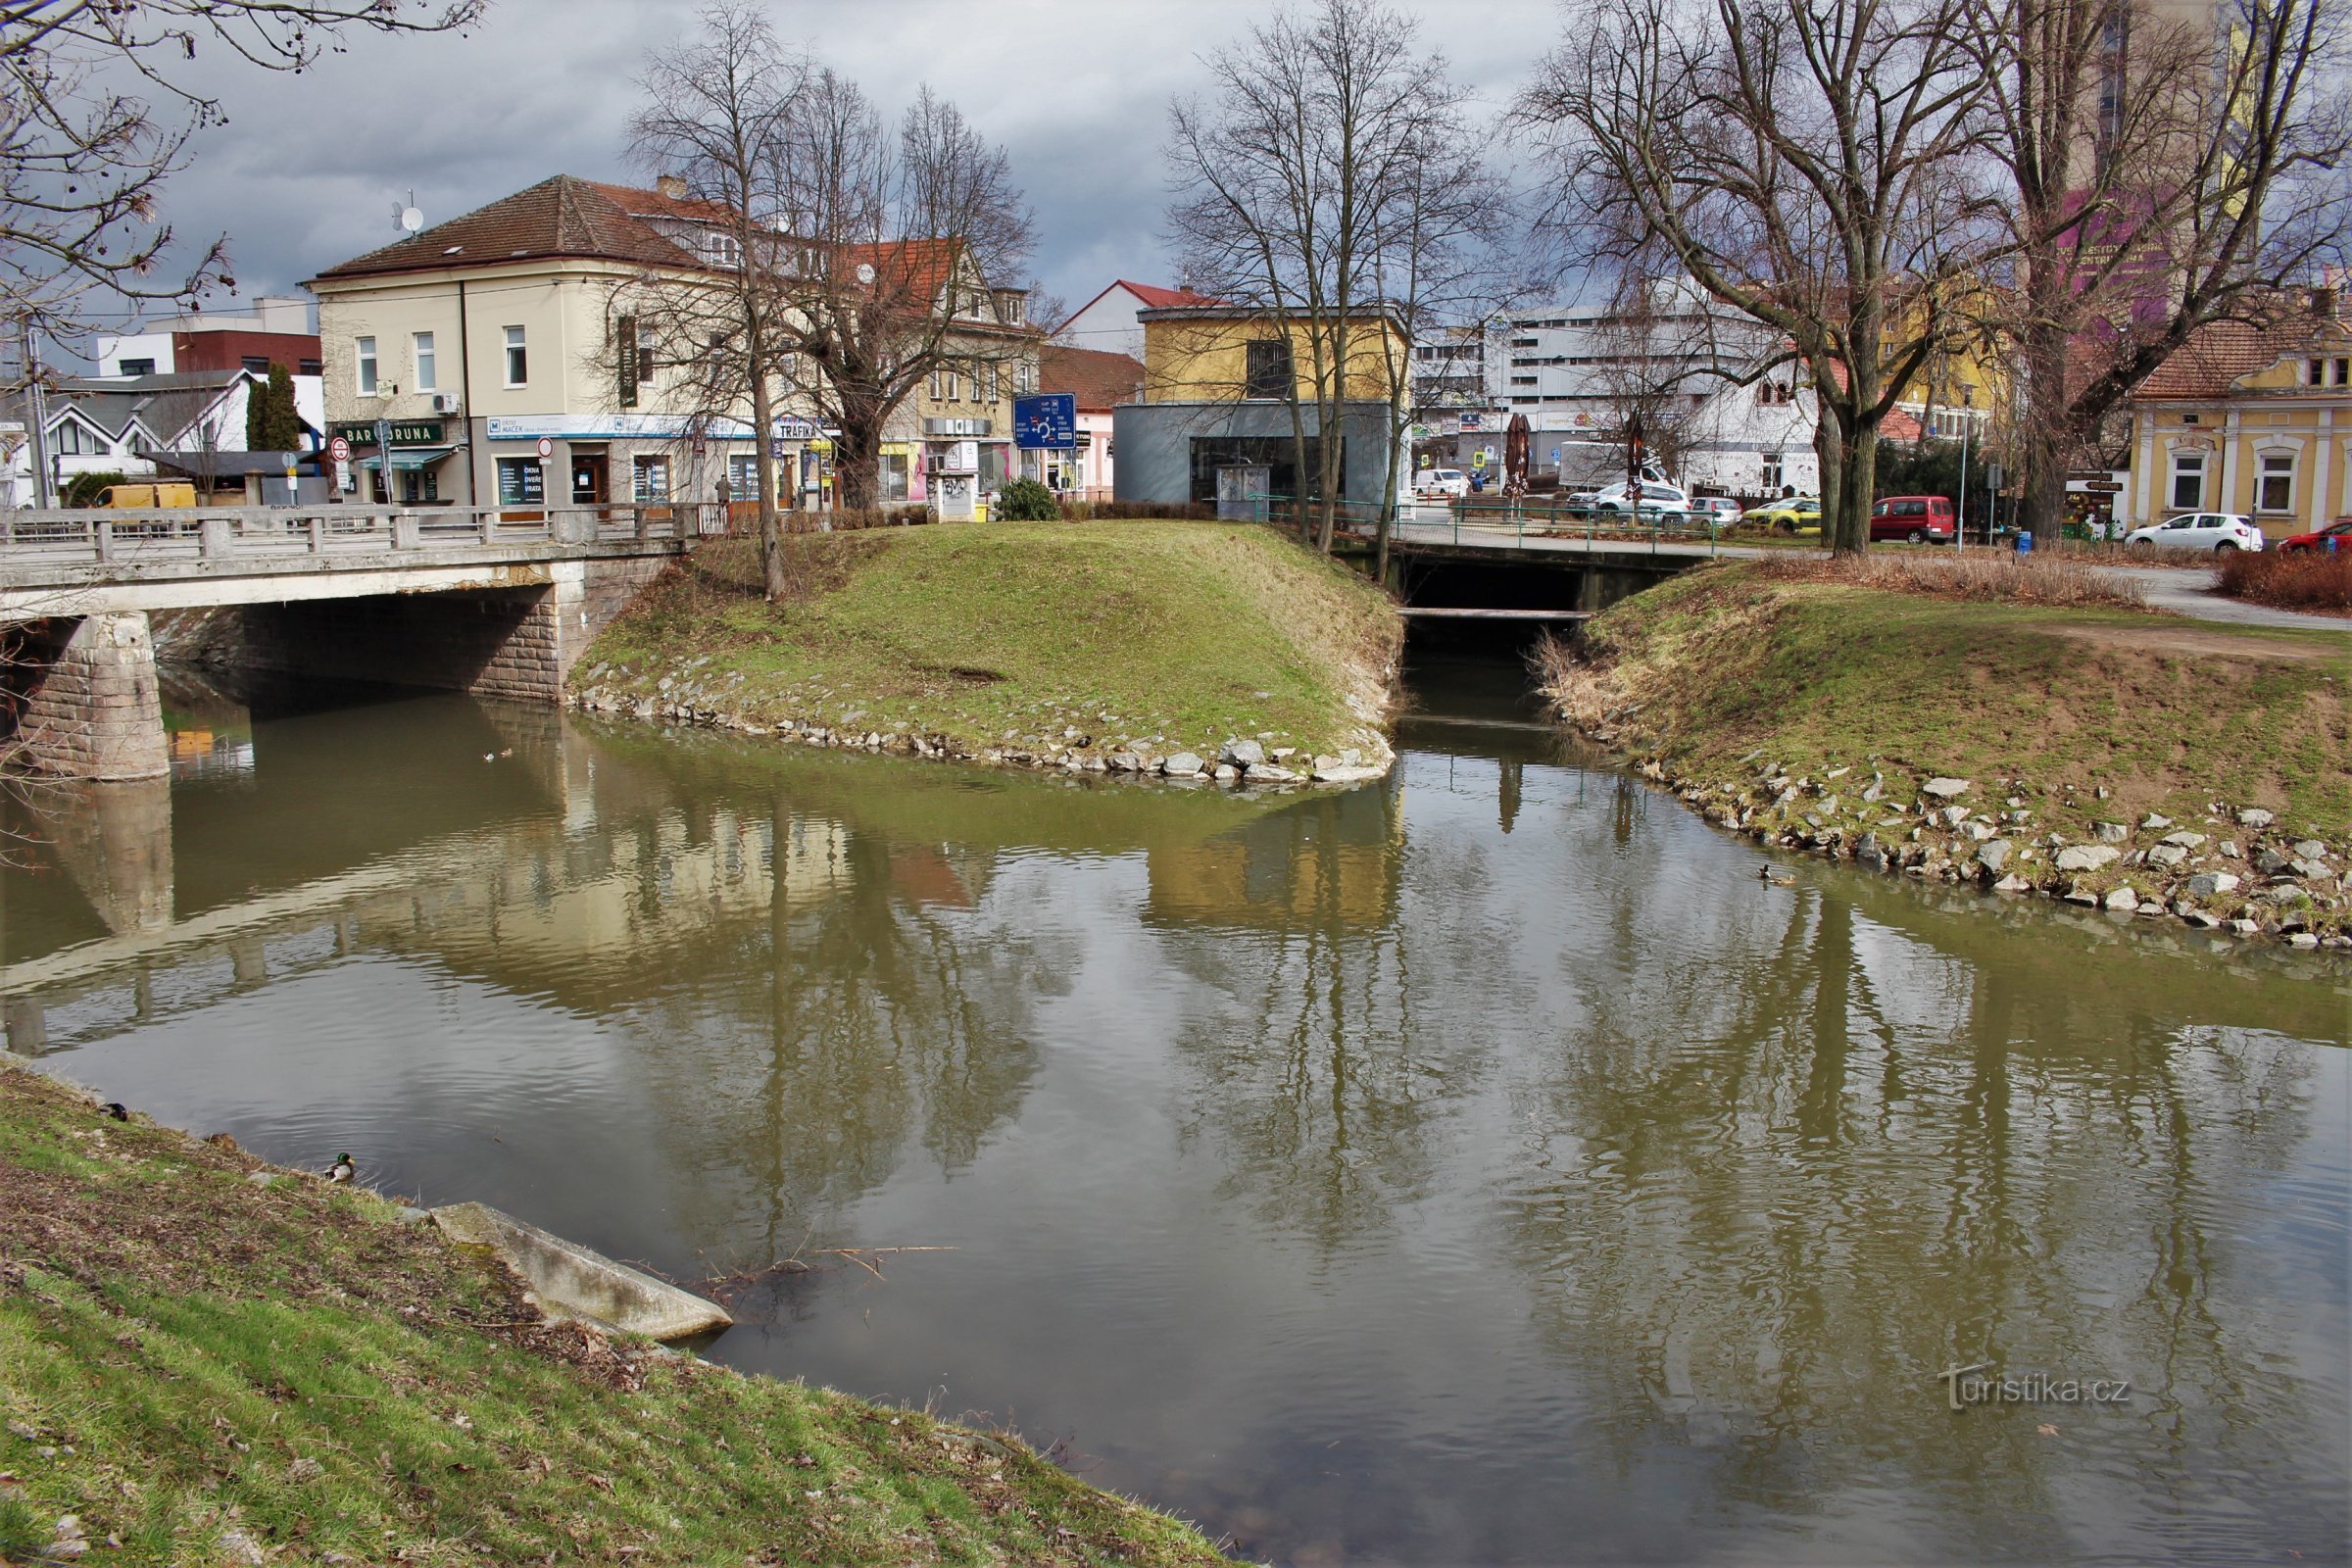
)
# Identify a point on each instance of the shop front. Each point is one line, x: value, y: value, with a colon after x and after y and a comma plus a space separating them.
x: 420, y: 452
x: 621, y: 460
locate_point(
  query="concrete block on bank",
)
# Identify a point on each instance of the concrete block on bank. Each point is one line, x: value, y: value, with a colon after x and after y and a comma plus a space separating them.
x: 572, y: 1281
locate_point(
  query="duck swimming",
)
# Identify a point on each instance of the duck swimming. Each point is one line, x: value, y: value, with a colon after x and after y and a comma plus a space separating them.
x: 1776, y: 876
x: 342, y: 1170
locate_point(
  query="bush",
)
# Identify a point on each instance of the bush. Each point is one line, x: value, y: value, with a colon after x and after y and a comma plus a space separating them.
x: 84, y: 489
x: 1025, y: 500
x: 2306, y: 580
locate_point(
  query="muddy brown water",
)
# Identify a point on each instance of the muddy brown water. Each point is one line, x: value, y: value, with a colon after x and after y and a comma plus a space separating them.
x: 1485, y: 1167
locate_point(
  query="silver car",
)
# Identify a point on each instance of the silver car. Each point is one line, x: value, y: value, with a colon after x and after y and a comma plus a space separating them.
x: 2198, y: 530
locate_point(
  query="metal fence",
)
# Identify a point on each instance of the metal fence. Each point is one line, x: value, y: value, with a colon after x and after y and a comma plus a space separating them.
x: 231, y: 533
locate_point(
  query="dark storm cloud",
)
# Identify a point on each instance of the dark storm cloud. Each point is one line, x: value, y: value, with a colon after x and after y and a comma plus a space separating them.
x: 311, y: 167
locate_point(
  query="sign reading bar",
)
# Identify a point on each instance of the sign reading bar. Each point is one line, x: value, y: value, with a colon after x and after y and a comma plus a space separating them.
x: 624, y: 339
x: 414, y: 434
x: 1046, y: 420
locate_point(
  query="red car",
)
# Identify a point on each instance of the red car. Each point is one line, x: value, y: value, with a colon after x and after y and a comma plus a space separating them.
x: 2340, y: 530
x: 1920, y: 519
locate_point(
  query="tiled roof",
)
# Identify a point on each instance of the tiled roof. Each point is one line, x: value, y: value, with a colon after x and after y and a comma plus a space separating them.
x: 563, y: 216
x: 2218, y: 353
x: 1157, y: 298
x: 920, y: 267
x: 1099, y: 380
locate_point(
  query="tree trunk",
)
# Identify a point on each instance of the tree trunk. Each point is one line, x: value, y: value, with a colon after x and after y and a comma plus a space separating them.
x: 1857, y: 482
x: 1829, y: 453
x: 776, y: 572
x: 2047, y: 428
x: 857, y: 461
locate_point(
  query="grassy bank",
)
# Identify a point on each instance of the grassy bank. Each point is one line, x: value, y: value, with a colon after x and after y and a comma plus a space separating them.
x: 197, y: 1369
x: 1059, y: 644
x: 1812, y: 706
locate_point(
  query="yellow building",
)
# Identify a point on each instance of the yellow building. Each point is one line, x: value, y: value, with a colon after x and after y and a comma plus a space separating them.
x: 2247, y: 418
x: 1222, y: 352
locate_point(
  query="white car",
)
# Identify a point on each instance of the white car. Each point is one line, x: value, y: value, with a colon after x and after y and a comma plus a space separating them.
x: 1442, y: 482
x: 1655, y: 499
x: 2199, y: 531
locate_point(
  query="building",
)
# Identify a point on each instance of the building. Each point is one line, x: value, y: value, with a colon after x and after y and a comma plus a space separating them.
x: 1220, y: 382
x: 2252, y: 418
x: 1112, y: 321
x: 954, y: 435
x: 276, y: 332
x: 1097, y: 383
x: 476, y: 339
x: 188, y: 424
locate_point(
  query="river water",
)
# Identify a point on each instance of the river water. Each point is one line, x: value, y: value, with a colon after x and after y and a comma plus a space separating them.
x: 1483, y: 1166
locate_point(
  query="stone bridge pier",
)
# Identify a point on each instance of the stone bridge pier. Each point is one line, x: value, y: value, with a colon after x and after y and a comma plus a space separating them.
x: 81, y: 694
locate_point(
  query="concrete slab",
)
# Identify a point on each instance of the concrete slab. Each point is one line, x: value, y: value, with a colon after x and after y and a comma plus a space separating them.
x: 571, y: 1281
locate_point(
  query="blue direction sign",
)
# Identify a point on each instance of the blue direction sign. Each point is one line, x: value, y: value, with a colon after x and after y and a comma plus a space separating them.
x: 1046, y: 420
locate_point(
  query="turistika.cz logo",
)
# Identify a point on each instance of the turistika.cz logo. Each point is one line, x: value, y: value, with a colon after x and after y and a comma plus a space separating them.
x: 1963, y: 1388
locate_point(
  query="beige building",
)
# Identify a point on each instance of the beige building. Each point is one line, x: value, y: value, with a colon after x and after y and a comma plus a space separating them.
x: 2250, y: 420
x: 481, y: 337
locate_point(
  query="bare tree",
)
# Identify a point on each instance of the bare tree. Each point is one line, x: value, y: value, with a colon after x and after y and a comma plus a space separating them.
x: 715, y: 122
x: 2167, y: 174
x: 1807, y: 162
x: 1304, y: 184
x: 898, y: 242
x: 84, y: 159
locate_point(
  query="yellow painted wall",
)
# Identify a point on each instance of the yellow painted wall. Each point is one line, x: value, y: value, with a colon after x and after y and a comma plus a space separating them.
x: 1198, y: 360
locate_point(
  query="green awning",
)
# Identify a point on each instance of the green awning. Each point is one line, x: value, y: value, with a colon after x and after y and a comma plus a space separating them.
x: 409, y: 457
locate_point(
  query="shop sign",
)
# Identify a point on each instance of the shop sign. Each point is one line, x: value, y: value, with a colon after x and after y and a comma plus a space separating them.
x: 411, y: 433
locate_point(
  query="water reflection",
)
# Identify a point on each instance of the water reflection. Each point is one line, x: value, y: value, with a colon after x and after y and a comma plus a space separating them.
x: 1479, y: 1166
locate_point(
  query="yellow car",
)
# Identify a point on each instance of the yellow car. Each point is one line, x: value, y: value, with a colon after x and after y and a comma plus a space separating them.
x: 1793, y: 514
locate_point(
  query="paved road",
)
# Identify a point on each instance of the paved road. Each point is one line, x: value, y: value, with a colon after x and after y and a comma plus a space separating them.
x: 2186, y: 590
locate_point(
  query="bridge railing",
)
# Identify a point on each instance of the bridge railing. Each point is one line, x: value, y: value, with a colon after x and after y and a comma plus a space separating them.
x: 100, y: 536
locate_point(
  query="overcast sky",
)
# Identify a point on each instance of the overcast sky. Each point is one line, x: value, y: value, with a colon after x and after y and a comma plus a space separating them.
x: 310, y: 167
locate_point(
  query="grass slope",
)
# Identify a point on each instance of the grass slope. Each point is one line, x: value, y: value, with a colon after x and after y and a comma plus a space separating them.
x: 1021, y: 638
x: 205, y: 1371
x: 2044, y: 705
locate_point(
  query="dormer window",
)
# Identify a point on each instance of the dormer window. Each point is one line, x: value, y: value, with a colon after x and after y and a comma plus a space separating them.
x: 722, y: 249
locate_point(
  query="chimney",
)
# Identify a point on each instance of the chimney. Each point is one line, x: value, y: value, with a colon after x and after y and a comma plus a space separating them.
x: 671, y: 186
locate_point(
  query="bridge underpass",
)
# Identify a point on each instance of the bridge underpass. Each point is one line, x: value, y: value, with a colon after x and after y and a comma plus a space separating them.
x: 494, y: 603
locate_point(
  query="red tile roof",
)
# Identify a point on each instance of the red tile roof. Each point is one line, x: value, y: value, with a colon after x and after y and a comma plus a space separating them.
x: 1100, y: 381
x: 563, y: 216
x: 2217, y: 354
x: 920, y: 267
x: 1157, y: 299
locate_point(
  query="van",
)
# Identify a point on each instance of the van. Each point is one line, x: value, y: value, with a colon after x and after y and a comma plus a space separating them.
x: 1920, y: 519
x: 148, y: 497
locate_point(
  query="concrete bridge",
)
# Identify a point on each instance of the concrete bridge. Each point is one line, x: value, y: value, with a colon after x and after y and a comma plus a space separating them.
x: 498, y: 601
x: 1520, y: 571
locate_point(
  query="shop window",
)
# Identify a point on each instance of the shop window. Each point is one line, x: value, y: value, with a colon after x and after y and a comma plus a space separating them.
x: 2275, y: 488
x: 893, y: 476
x: 519, y: 365
x: 743, y: 477
x: 652, y: 479
x: 367, y: 348
x: 418, y: 485
x: 2188, y: 481
x: 519, y: 482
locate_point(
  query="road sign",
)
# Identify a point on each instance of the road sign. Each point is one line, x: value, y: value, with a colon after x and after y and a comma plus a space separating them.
x: 1046, y: 420
x: 383, y: 438
x: 1993, y: 476
x: 546, y: 448
x: 339, y: 450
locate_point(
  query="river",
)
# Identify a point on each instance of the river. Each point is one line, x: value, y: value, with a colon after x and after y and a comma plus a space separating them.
x: 1480, y: 1167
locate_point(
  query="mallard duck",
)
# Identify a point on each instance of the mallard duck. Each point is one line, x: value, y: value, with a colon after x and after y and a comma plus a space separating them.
x: 342, y: 1170
x: 1776, y: 876
x: 117, y: 1109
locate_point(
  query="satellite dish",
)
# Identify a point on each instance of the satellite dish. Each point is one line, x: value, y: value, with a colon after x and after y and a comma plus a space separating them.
x: 865, y: 272
x: 410, y: 220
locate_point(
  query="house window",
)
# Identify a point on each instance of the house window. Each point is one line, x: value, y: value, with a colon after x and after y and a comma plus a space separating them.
x: 519, y: 482
x: 2318, y: 372
x: 1268, y: 371
x: 519, y: 365
x: 2188, y: 481
x: 1771, y: 478
x: 2343, y: 373
x: 147, y: 366
x: 258, y: 363
x: 2275, y: 488
x: 428, y: 378
x: 68, y: 439
x: 367, y: 346
x: 1015, y: 307
x: 653, y: 480
x: 954, y: 383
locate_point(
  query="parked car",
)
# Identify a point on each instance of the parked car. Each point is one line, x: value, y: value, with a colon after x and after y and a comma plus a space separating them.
x: 2198, y: 530
x: 2340, y: 530
x: 1790, y: 515
x: 1722, y: 510
x: 1921, y: 519
x: 1656, y: 500
x: 1438, y: 482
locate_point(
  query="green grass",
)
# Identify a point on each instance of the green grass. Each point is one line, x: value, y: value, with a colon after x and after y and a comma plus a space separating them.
x: 1164, y: 636
x: 1730, y: 669
x: 187, y: 1358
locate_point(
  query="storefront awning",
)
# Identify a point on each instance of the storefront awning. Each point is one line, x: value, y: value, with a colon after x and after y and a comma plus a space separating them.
x: 409, y: 457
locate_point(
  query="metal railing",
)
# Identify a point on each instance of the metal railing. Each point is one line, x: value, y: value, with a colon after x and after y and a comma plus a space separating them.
x: 1494, y: 523
x: 97, y: 536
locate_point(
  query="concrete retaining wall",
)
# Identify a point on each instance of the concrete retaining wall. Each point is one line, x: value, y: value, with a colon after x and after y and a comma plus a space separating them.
x: 85, y: 699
